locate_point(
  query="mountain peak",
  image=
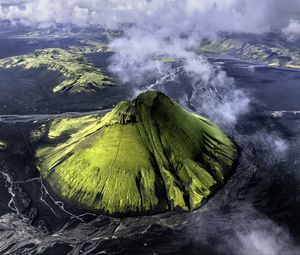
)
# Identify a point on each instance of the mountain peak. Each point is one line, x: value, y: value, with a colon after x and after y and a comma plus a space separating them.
x: 145, y: 156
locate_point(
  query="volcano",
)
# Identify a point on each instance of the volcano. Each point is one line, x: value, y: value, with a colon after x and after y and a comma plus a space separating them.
x: 148, y: 155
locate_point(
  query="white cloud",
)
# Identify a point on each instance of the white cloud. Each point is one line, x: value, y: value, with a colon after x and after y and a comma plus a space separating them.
x: 204, y: 16
x: 241, y: 231
x: 216, y: 95
x: 265, y: 237
x: 280, y: 147
x: 292, y: 30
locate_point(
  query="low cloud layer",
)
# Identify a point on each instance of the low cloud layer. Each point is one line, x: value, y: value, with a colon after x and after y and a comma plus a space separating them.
x: 206, y: 16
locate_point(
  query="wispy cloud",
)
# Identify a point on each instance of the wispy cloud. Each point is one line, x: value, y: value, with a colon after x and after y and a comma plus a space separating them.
x: 201, y: 16
x: 292, y: 30
x: 244, y: 232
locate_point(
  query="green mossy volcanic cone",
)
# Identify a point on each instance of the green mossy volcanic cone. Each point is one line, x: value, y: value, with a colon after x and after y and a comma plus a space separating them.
x: 145, y: 156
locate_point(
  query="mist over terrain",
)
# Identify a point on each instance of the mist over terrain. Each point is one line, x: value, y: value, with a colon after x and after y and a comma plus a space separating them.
x: 155, y: 34
x: 207, y: 17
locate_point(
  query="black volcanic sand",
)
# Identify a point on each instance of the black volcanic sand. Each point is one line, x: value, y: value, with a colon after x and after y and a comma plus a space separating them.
x: 275, y: 88
x: 21, y: 46
x: 262, y: 197
x: 30, y: 92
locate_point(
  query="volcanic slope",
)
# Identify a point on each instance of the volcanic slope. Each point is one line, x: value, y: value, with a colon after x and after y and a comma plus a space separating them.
x: 148, y: 155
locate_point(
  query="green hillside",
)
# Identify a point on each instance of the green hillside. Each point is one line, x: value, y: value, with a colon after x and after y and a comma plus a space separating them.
x: 146, y: 155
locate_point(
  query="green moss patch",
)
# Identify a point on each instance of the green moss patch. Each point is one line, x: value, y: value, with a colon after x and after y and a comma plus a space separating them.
x: 146, y: 155
x: 279, y: 54
x: 3, y: 146
x: 80, y: 75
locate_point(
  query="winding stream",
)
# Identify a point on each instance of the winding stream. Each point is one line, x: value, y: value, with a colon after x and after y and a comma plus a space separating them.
x: 257, y: 211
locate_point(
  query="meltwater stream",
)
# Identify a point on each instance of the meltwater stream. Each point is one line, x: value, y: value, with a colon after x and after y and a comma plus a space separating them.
x: 256, y: 212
